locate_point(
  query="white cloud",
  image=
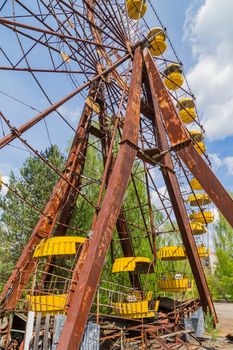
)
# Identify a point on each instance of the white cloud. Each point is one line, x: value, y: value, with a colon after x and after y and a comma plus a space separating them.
x: 229, y: 163
x: 4, y: 189
x: 210, y: 33
x: 72, y: 114
x: 216, y: 161
x: 226, y: 162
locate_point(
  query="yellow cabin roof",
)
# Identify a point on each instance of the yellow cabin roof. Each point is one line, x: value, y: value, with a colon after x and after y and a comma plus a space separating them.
x: 58, y: 246
x: 136, y: 8
x: 137, y: 264
x: 157, y: 31
x: 171, y: 253
x: 202, y: 217
x: 199, y: 199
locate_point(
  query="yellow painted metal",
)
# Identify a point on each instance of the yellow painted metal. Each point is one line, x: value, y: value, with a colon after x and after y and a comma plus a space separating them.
x: 156, y: 38
x: 137, y: 264
x: 136, y: 8
x: 197, y: 135
x: 203, y: 251
x: 200, y: 147
x: 170, y: 284
x: 202, y: 217
x: 195, y: 185
x: 58, y: 246
x: 92, y: 104
x: 199, y: 199
x: 197, y: 228
x: 47, y: 303
x: 138, y: 309
x: 173, y: 76
x: 171, y: 253
x: 186, y: 108
x: 65, y: 57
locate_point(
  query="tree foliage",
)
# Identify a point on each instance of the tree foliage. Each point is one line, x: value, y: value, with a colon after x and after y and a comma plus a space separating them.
x: 223, y: 276
x: 34, y: 183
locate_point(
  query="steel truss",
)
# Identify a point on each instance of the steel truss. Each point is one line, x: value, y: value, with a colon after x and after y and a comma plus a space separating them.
x: 150, y: 132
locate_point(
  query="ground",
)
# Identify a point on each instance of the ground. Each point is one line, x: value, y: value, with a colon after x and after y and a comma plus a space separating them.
x: 225, y: 317
x: 225, y: 326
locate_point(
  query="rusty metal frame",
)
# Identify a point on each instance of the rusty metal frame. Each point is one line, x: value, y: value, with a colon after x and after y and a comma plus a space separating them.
x: 25, y: 265
x: 77, y: 315
x: 184, y: 148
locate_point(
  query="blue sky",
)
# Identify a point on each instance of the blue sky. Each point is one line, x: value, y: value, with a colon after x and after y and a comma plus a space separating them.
x: 200, y: 31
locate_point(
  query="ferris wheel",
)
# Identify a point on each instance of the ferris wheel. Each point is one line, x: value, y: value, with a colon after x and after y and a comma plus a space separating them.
x: 110, y: 68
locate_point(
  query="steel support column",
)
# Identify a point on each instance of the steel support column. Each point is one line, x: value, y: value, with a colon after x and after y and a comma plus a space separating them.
x: 176, y: 195
x: 90, y: 275
x: 178, y: 136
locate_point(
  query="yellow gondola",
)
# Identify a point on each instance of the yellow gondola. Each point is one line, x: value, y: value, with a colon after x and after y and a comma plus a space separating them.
x: 173, y: 76
x: 203, y: 251
x: 171, y: 253
x: 138, y: 309
x: 197, y: 135
x: 195, y: 185
x: 157, y: 40
x: 136, y: 264
x: 92, y: 104
x: 202, y: 217
x: 186, y: 109
x: 197, y: 228
x: 59, y: 245
x: 172, y: 284
x: 47, y: 303
x: 200, y: 147
x: 136, y: 8
x: 199, y: 199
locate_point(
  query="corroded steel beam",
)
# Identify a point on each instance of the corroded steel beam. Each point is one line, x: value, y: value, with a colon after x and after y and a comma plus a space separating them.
x: 77, y: 315
x: 26, y: 126
x: 181, y: 143
x: 172, y: 183
x: 14, y: 24
x: 25, y: 265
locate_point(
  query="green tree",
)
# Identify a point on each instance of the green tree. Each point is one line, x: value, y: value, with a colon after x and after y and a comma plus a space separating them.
x: 34, y: 183
x: 223, y: 241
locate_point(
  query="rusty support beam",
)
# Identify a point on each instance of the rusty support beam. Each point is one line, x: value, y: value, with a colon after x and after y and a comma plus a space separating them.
x: 14, y: 24
x: 180, y: 141
x: 107, y: 142
x: 78, y: 313
x: 24, y: 267
x: 26, y: 126
x: 174, y: 188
